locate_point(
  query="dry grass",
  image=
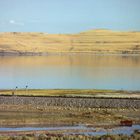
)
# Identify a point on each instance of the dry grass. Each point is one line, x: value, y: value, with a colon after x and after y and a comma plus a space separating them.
x: 45, y: 136
x: 70, y: 92
x: 94, y: 41
x: 28, y: 115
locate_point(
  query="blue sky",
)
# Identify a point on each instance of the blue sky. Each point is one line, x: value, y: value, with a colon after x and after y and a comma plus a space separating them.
x: 68, y: 16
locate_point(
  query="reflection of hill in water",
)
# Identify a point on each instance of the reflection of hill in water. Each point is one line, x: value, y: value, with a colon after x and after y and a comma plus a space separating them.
x: 71, y: 71
x: 71, y: 60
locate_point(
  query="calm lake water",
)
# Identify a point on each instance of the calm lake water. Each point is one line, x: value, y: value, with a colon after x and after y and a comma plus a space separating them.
x: 80, y: 71
x: 85, y: 130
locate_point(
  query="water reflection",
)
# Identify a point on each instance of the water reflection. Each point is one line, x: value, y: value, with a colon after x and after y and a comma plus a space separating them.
x: 71, y: 71
x: 93, y: 131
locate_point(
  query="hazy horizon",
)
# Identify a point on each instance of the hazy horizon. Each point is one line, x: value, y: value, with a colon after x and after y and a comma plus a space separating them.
x: 70, y: 32
x: 55, y: 16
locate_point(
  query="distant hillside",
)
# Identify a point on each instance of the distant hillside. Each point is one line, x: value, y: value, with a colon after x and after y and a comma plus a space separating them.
x: 93, y: 41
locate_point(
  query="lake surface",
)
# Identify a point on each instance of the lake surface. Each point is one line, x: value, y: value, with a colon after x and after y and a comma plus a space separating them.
x: 82, y: 71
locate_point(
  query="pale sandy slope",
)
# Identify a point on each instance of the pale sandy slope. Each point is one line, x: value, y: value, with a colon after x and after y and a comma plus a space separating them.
x: 94, y: 41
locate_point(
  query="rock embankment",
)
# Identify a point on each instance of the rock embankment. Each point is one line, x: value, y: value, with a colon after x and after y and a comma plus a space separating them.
x: 71, y: 101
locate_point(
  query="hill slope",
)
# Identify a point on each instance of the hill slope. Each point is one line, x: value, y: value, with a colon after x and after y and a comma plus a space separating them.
x: 93, y: 41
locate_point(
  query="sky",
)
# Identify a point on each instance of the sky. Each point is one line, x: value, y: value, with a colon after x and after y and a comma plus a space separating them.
x: 69, y: 16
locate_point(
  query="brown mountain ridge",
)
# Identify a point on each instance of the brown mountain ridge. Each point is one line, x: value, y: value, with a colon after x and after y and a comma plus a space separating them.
x: 92, y: 41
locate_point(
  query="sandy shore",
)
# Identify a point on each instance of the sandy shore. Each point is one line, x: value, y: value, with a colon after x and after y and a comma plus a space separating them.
x: 30, y: 108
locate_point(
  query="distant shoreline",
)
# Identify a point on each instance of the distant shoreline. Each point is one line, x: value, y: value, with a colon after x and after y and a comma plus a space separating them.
x: 65, y: 53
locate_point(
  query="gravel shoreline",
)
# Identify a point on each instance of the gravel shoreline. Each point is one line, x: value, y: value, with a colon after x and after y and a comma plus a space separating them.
x: 86, y: 102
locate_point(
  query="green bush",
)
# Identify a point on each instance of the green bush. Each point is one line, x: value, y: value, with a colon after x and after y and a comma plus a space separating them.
x: 107, y: 137
x: 43, y: 137
x: 14, y: 138
x: 124, y: 137
x: 25, y: 138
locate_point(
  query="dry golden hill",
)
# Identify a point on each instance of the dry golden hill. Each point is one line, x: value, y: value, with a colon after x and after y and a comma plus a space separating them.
x: 93, y: 41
